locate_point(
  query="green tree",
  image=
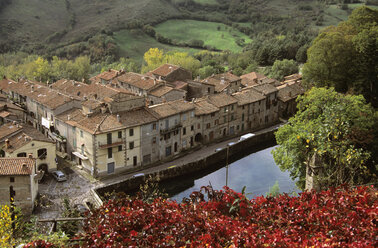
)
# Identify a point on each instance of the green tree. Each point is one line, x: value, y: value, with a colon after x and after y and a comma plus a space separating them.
x: 282, y: 68
x: 337, y: 128
x: 345, y: 56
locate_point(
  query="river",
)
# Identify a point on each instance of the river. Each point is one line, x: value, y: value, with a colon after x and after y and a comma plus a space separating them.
x: 257, y: 171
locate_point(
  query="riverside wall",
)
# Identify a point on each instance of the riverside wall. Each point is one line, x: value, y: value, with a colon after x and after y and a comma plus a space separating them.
x: 213, y: 161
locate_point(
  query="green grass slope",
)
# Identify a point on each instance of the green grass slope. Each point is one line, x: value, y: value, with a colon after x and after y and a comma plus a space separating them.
x: 214, y: 34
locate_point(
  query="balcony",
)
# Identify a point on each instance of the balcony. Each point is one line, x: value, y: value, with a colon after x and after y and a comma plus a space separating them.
x: 171, y: 129
x: 105, y: 145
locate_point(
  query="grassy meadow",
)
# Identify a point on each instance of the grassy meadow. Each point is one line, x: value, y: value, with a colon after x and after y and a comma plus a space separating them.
x: 134, y: 43
x: 214, y: 34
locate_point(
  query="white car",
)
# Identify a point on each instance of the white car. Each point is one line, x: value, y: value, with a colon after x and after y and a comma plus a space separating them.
x: 138, y: 175
x: 59, y: 176
x: 231, y: 143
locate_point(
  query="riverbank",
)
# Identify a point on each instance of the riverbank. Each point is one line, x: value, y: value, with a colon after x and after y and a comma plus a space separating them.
x: 200, y: 160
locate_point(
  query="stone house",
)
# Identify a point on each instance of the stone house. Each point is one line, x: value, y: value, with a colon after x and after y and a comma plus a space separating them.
x: 224, y: 82
x: 31, y: 141
x: 227, y: 105
x: 18, y: 180
x: 10, y: 112
x: 8, y: 130
x: 198, y: 89
x: 271, y: 103
x: 209, y: 116
x: 173, y: 118
x: 106, y: 77
x: 171, y: 73
x: 165, y: 93
x: 137, y: 83
x: 251, y: 79
x: 287, y: 95
x: 150, y: 134
x: 250, y: 110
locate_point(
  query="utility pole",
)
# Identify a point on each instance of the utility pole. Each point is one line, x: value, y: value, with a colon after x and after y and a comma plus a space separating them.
x: 227, y: 166
x: 12, y: 194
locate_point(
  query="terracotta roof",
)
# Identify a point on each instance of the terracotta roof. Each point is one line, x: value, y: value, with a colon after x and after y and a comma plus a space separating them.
x: 179, y: 84
x: 130, y: 77
x: 203, y: 107
x: 266, y: 89
x: 99, y: 123
x: 221, y: 81
x: 16, y: 166
x: 8, y: 129
x: 28, y: 134
x: 221, y: 100
x: 109, y: 74
x: 71, y: 116
x: 171, y: 108
x: 252, y: 76
x: 5, y: 114
x: 161, y: 90
x: 91, y: 103
x: 10, y: 106
x: 293, y: 77
x: 71, y: 88
x: 137, y: 117
x: 165, y: 70
x: 6, y: 84
x: 248, y: 96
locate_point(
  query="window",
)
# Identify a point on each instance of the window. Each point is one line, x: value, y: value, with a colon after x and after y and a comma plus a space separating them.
x: 21, y: 154
x: 266, y: 119
x: 192, y: 128
x: 42, y: 153
x: 131, y: 145
x: 184, y: 131
x: 175, y: 146
x: 135, y: 160
x: 166, y: 124
x: 192, y: 114
x: 198, y: 126
x: 242, y: 117
x: 184, y: 143
x: 225, y: 109
x: 110, y: 152
x: 109, y: 138
x: 243, y: 107
x: 154, y: 140
x: 224, y: 119
x: 232, y: 107
x: 184, y: 117
x: 176, y: 122
x: 74, y: 143
x: 11, y: 179
x: 120, y: 134
x: 119, y: 148
x: 212, y: 114
x: 232, y: 117
x: 81, y: 133
x: 82, y: 149
x: 216, y: 122
x: 154, y: 126
x: 168, y: 151
x: 131, y: 132
x: 208, y: 125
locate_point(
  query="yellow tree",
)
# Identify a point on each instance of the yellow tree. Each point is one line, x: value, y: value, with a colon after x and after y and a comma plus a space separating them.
x: 6, y: 239
x: 42, y: 71
x: 153, y: 58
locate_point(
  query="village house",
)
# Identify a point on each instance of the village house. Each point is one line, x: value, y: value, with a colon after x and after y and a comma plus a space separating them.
x: 197, y: 89
x: 137, y: 83
x: 10, y: 112
x: 106, y: 77
x: 251, y: 109
x: 252, y: 78
x: 8, y: 130
x: 224, y: 82
x: 31, y: 141
x: 287, y: 95
x: 171, y: 73
x: 227, y: 113
x: 18, y: 180
x: 208, y: 115
x: 271, y: 103
x: 165, y: 93
x: 173, y: 118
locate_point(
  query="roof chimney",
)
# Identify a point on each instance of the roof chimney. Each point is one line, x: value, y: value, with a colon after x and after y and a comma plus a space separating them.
x: 68, y: 117
x: 118, y: 118
x: 30, y: 155
x: 7, y: 144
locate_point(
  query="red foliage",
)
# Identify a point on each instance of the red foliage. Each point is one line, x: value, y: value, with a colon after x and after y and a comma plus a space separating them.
x: 39, y: 244
x: 341, y: 217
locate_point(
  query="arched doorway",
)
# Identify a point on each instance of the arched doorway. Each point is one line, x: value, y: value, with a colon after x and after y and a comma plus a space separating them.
x: 198, y: 137
x: 43, y: 167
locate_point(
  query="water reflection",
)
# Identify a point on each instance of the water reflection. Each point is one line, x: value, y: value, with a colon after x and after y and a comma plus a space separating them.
x: 257, y: 172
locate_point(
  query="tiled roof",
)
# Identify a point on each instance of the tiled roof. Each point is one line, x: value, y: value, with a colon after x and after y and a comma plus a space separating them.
x: 165, y: 70
x: 171, y: 108
x: 287, y: 92
x: 248, y: 96
x: 221, y: 81
x: 91, y: 103
x: 16, y: 166
x: 130, y: 77
x: 5, y: 114
x: 99, y: 123
x: 203, y: 107
x: 266, y: 89
x: 221, y: 100
x: 8, y: 129
x: 10, y: 106
x: 71, y: 88
x: 27, y: 135
x: 178, y: 84
x: 161, y: 90
x: 136, y: 117
x: 252, y: 76
x: 109, y: 74
x: 72, y: 115
x: 6, y: 84
x: 293, y: 77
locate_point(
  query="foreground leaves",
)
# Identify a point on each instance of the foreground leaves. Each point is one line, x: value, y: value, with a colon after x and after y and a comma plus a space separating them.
x: 341, y: 217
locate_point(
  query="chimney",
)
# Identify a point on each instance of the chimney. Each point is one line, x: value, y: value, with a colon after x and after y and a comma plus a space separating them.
x: 68, y: 117
x: 118, y: 118
x: 154, y: 81
x: 32, y: 88
x: 30, y: 155
x: 7, y: 144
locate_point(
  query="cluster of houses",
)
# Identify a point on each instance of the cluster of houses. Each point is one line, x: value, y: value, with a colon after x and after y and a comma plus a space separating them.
x: 126, y: 121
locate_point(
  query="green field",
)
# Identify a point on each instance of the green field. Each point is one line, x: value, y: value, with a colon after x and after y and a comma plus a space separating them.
x: 186, y: 30
x: 134, y: 43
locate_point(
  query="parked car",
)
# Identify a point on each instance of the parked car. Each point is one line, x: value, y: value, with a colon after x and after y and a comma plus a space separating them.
x: 138, y: 175
x: 59, y: 176
x: 246, y: 136
x: 218, y: 149
x: 231, y: 143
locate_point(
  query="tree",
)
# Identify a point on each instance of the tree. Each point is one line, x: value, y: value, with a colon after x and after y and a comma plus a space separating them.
x: 6, y: 239
x: 344, y: 57
x: 335, y: 127
x: 282, y: 68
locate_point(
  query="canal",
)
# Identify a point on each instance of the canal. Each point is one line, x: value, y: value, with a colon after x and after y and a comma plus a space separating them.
x: 257, y: 171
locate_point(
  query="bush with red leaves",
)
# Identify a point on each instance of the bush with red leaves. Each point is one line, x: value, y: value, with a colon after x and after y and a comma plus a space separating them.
x: 338, y: 217
x: 39, y: 244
